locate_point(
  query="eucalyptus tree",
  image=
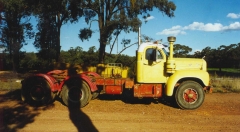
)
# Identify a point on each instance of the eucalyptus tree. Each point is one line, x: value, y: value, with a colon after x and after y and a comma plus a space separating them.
x: 115, y: 16
x: 46, y: 38
x: 236, y: 55
x: 221, y: 56
x: 52, y: 14
x: 181, y: 50
x: 1, y: 9
x: 230, y: 56
x: 15, y: 27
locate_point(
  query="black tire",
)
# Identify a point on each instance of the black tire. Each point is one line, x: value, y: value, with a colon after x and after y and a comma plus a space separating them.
x: 189, y: 95
x: 76, y: 93
x: 37, y: 91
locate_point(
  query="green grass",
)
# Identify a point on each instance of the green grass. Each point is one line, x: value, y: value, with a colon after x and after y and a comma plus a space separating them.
x: 230, y: 70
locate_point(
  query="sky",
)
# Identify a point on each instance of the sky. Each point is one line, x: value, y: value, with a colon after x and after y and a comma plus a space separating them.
x: 197, y: 24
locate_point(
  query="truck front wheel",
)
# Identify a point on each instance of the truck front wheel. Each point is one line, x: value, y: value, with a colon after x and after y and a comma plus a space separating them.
x: 189, y: 95
x: 76, y: 93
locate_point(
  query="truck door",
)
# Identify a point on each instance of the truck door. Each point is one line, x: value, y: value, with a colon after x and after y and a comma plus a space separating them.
x: 153, y: 66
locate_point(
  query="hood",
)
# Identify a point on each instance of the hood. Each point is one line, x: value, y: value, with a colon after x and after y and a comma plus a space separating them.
x: 190, y: 64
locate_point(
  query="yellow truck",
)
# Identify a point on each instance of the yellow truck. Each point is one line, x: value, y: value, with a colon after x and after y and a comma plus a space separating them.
x: 157, y: 75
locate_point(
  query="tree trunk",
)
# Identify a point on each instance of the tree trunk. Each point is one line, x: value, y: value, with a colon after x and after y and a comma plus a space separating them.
x: 102, y: 48
x: 101, y: 53
x: 220, y: 69
x: 58, y: 46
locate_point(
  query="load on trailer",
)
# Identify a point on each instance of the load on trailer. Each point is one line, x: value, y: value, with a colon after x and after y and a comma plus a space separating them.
x: 157, y: 74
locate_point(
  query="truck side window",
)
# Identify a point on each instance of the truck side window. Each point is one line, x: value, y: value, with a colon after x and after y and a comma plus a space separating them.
x: 150, y: 54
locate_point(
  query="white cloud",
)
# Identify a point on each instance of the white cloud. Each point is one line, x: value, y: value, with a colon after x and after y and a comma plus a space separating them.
x: 233, y: 26
x: 209, y: 27
x: 194, y: 26
x: 212, y: 27
x: 176, y: 30
x: 233, y: 15
x: 150, y: 18
x: 197, y: 50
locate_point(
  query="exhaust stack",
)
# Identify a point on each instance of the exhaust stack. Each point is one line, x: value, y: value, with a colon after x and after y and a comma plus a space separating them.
x: 171, y: 40
x: 171, y: 62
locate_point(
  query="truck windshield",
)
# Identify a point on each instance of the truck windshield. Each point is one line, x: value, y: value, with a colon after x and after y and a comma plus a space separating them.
x: 164, y: 50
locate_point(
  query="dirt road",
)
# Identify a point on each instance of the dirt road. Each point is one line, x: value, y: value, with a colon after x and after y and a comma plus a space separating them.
x: 219, y: 112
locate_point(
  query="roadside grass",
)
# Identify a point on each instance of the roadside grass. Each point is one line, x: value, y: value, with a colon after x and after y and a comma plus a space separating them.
x: 10, y: 85
x: 10, y: 80
x: 225, y: 84
x: 226, y: 80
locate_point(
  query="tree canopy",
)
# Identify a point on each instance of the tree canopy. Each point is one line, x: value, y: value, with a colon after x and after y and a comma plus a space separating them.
x: 112, y: 16
x: 52, y: 14
x: 181, y: 50
x: 15, y: 27
x: 115, y: 16
x: 225, y: 56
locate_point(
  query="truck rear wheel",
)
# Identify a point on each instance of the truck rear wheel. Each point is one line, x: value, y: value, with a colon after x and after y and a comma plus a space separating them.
x: 76, y: 93
x: 189, y: 95
x: 37, y: 91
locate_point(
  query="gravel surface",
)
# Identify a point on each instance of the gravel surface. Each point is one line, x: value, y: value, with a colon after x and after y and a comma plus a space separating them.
x: 219, y: 112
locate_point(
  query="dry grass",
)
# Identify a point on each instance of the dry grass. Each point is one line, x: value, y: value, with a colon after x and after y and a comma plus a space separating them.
x: 10, y: 80
x: 225, y: 84
x: 10, y: 85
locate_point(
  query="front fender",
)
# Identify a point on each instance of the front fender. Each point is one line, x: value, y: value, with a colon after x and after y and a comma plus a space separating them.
x: 173, y: 79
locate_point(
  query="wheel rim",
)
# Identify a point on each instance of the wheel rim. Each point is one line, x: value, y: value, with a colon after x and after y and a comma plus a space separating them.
x: 75, y: 94
x: 37, y: 93
x: 190, y: 96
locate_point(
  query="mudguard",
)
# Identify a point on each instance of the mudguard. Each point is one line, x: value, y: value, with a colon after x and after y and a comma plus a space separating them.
x: 194, y: 74
x: 85, y: 78
x: 51, y: 80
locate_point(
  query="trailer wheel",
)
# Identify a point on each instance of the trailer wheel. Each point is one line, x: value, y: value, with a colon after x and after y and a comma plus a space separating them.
x: 37, y: 91
x: 76, y: 92
x: 189, y: 95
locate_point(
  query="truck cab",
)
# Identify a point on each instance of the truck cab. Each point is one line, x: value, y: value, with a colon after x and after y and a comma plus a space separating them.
x: 183, y: 78
x: 151, y: 61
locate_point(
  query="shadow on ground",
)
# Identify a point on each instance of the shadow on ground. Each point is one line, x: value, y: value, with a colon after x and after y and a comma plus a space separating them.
x: 146, y: 101
x: 14, y: 114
